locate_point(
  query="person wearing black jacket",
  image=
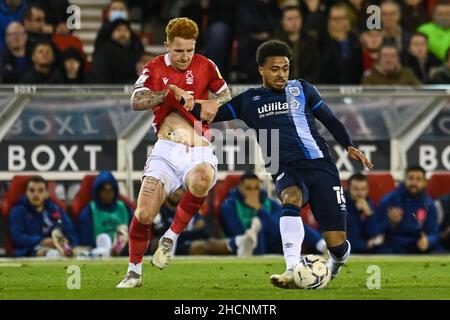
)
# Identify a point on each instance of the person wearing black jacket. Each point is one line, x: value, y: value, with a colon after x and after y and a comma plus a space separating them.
x: 14, y: 59
x: 72, y: 68
x: 43, y: 70
x: 418, y: 58
x: 305, y: 63
x: 115, y: 60
x: 341, y: 59
x: 117, y: 10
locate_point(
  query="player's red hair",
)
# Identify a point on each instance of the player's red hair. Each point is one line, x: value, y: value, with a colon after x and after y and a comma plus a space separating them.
x: 181, y: 27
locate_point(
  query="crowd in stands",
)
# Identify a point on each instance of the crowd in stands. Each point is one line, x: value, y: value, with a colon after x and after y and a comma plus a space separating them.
x: 405, y: 221
x: 333, y: 41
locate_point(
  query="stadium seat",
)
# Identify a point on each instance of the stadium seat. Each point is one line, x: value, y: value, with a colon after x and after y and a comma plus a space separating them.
x: 308, y: 217
x: 380, y: 184
x: 222, y: 189
x: 84, y: 195
x: 438, y: 185
x: 15, y: 191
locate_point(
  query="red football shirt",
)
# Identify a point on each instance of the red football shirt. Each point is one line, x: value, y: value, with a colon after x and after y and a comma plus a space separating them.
x: 198, y: 79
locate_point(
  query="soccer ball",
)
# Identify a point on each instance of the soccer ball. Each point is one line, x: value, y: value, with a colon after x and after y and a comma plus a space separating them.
x: 312, y: 273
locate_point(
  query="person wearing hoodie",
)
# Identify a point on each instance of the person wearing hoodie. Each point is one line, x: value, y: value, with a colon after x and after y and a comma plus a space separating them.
x: 407, y: 216
x: 116, y: 10
x: 10, y: 10
x: 361, y: 223
x: 38, y: 227
x: 195, y: 239
x: 115, y: 59
x: 72, y: 69
x: 248, y: 206
x: 103, y: 223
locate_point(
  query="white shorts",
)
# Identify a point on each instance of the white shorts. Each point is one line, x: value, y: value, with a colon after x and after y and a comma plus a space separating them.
x: 170, y: 162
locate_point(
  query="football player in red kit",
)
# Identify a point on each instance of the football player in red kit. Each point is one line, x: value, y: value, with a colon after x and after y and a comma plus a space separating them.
x: 181, y: 156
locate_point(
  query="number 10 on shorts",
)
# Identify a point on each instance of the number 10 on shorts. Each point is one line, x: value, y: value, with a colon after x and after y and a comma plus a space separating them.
x: 339, y: 194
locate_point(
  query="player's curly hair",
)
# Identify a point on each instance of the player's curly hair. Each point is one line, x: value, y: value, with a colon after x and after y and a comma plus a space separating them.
x: 272, y: 48
x: 181, y: 27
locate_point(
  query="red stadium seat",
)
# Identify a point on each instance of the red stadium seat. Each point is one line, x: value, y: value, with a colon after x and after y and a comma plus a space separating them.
x: 15, y: 191
x: 222, y: 189
x: 380, y: 184
x: 308, y: 217
x: 438, y: 185
x: 84, y: 195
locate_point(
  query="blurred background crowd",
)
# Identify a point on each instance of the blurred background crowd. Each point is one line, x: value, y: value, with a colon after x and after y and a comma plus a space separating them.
x: 333, y: 41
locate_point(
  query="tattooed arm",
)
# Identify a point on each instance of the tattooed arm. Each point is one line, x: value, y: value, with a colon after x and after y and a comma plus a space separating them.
x: 210, y: 107
x: 147, y: 99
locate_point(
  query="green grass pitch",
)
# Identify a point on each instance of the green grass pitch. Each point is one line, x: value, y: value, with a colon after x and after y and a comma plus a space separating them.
x: 402, y: 277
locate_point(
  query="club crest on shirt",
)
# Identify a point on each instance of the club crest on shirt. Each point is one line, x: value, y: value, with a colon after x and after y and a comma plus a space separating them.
x: 165, y: 80
x: 294, y: 91
x: 189, y: 77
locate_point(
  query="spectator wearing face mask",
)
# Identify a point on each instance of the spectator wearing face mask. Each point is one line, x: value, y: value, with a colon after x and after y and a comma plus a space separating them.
x: 115, y: 60
x: 117, y: 10
x: 438, y: 31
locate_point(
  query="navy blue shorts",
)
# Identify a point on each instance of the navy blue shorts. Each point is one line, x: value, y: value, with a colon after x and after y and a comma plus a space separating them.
x: 321, y: 188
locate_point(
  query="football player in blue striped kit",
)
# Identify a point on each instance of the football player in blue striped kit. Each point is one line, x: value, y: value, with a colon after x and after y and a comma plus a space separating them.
x: 306, y: 173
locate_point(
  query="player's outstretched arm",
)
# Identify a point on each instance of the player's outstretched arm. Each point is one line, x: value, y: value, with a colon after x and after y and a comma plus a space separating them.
x: 210, y: 108
x: 340, y: 133
x: 147, y: 99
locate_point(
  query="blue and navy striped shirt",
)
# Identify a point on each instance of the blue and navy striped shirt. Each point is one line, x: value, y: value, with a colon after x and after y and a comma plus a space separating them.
x: 292, y: 112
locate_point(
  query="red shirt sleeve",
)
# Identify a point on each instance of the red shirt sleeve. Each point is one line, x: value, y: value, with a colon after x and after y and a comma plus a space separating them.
x: 145, y: 80
x: 216, y: 83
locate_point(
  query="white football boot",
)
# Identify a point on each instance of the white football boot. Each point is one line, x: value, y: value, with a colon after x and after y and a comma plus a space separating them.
x: 335, y: 264
x: 131, y: 280
x: 163, y: 254
x: 285, y: 280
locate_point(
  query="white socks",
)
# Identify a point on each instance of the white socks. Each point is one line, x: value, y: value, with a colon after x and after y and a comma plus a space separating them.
x: 321, y: 246
x: 171, y: 235
x: 135, y: 268
x: 292, y: 234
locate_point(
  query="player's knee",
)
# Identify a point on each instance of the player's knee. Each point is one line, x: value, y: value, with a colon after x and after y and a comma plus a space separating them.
x: 144, y: 216
x: 200, y: 182
x: 293, y: 196
x: 200, y: 188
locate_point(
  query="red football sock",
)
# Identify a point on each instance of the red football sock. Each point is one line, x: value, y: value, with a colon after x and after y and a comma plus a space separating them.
x: 139, y: 240
x: 186, y: 209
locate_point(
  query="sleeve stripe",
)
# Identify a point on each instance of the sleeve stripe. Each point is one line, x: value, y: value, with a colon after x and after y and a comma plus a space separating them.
x: 317, y: 105
x: 221, y: 88
x: 136, y: 91
x: 230, y: 107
